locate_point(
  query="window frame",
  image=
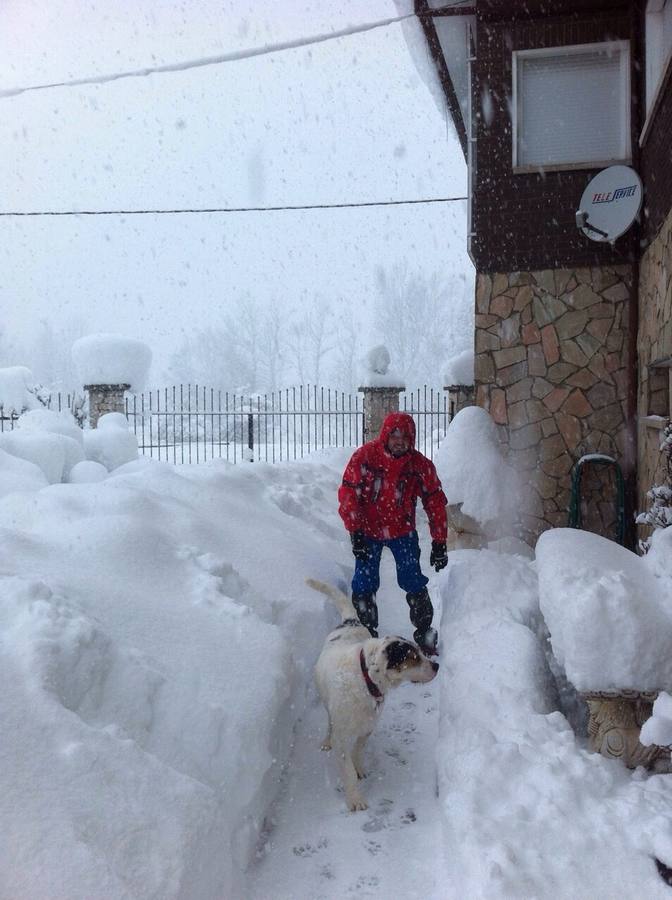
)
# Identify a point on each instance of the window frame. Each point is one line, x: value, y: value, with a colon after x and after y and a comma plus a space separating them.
x: 622, y: 47
x: 652, y: 101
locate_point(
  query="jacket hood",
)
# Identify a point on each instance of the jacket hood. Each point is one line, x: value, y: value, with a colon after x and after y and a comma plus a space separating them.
x: 399, y: 420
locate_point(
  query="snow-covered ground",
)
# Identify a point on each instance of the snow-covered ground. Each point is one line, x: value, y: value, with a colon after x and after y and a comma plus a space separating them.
x: 161, y: 730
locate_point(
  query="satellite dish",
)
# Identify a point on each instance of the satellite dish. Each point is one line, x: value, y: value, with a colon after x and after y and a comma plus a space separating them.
x: 610, y: 203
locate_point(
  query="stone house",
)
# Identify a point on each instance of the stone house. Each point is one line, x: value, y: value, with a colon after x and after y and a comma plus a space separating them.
x: 573, y: 338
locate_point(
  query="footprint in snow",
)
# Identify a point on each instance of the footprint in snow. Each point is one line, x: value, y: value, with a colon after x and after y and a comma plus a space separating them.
x: 306, y: 850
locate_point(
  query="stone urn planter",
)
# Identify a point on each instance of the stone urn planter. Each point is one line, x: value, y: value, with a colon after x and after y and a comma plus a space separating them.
x: 615, y: 722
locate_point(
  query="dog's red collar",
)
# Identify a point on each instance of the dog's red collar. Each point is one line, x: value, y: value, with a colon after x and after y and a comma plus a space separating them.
x: 374, y: 690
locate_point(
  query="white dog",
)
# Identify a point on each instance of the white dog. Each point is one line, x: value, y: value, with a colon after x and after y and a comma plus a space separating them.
x: 353, y: 673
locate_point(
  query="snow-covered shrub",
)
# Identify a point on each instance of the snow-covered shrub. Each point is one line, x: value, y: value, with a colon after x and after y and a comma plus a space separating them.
x: 659, y: 514
x: 20, y: 392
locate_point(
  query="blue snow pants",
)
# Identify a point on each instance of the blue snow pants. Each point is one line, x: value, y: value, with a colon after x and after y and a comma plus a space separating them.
x: 406, y: 552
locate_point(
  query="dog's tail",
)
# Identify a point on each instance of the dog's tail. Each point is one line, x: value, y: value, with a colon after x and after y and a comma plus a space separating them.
x: 341, y: 600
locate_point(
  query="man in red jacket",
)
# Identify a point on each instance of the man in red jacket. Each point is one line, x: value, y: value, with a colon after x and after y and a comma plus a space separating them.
x: 377, y: 500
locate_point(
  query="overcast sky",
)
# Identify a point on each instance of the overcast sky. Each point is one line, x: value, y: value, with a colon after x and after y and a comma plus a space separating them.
x: 342, y: 121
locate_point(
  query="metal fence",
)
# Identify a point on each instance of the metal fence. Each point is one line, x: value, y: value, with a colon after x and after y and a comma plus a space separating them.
x: 194, y: 424
x: 58, y: 402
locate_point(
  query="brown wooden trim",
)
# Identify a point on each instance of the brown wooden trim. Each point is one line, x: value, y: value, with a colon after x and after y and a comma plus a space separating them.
x: 425, y: 15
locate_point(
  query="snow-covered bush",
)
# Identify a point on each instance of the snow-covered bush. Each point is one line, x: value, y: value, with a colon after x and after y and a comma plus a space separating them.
x: 112, y: 359
x: 19, y: 391
x: 659, y: 514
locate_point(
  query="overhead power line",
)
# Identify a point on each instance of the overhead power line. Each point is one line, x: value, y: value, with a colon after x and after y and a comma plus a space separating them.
x: 226, y: 209
x: 232, y: 56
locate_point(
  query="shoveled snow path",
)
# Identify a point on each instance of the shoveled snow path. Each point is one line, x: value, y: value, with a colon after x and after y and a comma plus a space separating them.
x: 315, y: 849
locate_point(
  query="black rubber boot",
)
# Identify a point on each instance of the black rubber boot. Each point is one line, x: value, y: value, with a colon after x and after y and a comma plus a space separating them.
x: 367, y: 611
x: 421, y: 613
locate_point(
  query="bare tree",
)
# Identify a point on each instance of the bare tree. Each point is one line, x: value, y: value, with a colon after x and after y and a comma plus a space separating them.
x: 416, y: 317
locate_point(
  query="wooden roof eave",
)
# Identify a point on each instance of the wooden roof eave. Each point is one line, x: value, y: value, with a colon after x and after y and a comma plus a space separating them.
x: 426, y: 17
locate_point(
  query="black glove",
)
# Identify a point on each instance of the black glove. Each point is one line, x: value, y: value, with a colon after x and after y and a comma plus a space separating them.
x: 360, y: 549
x: 439, y: 555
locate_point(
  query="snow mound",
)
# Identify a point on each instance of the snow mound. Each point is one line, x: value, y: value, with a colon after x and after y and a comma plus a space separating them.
x: 111, y: 444
x: 17, y: 474
x: 112, y: 359
x: 608, y: 614
x: 51, y: 422
x: 474, y: 473
x: 87, y: 472
x: 54, y: 454
x: 658, y: 729
x: 460, y: 369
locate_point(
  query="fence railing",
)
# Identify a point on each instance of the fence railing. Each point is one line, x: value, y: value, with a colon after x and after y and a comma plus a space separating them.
x: 193, y: 424
x: 56, y: 401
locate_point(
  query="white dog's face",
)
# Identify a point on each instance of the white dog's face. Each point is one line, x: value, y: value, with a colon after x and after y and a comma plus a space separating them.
x: 403, y: 660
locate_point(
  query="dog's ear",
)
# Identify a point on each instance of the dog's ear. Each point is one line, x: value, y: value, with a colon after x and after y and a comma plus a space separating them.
x: 398, y: 652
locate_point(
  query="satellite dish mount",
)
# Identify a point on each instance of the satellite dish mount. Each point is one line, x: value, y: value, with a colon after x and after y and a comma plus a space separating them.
x: 610, y: 204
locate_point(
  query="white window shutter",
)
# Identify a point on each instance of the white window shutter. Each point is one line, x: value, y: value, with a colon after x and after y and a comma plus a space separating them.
x: 572, y: 106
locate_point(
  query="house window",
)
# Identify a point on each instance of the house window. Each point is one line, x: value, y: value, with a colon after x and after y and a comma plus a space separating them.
x: 658, y: 46
x: 571, y: 106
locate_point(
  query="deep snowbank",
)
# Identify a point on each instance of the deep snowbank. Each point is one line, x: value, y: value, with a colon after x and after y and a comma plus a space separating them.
x: 529, y: 813
x: 156, y: 642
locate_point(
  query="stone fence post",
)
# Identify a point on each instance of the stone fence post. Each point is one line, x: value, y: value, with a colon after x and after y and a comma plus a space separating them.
x: 105, y: 398
x: 378, y: 402
x: 459, y: 396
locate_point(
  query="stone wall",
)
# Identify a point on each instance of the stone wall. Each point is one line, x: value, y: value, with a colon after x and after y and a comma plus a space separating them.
x: 552, y: 369
x: 654, y: 342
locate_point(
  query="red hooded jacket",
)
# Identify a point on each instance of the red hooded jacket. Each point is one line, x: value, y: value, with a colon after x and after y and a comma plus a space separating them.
x: 379, y: 492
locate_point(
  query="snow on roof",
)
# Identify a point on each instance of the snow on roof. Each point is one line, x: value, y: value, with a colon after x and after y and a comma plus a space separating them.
x: 112, y: 359
x: 607, y: 611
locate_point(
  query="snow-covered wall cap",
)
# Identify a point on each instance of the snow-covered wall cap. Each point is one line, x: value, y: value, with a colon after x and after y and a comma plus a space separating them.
x: 375, y: 369
x: 474, y: 472
x: 607, y: 611
x: 112, y: 359
x: 460, y: 369
x: 17, y: 390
